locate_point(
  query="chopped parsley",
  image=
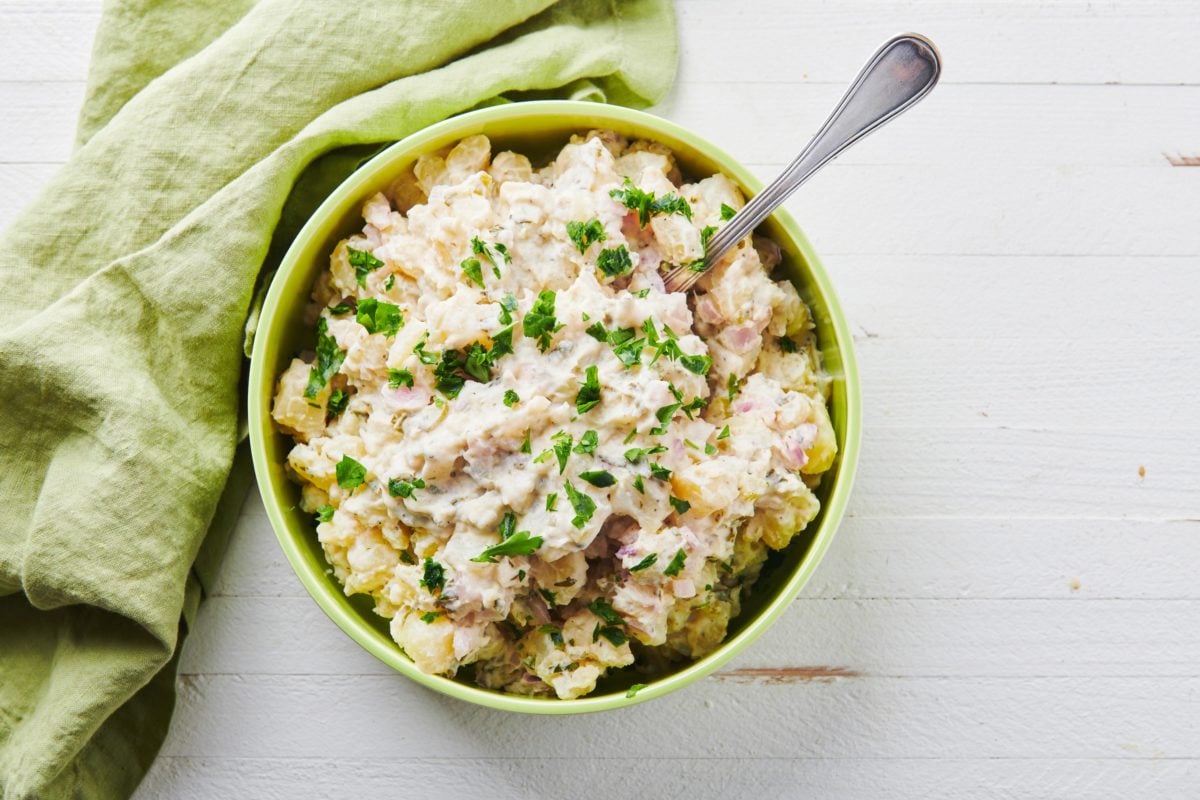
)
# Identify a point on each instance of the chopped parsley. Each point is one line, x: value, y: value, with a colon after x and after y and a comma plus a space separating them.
x: 696, y: 364
x: 635, y: 454
x: 435, y: 575
x: 399, y: 377
x: 481, y: 249
x: 399, y: 488
x: 507, y: 306
x: 706, y: 233
x: 341, y: 308
x: 663, y: 415
x: 511, y: 398
x: 584, y: 506
x: 426, y: 358
x: 733, y: 385
x: 614, y: 261
x: 660, y: 472
x: 645, y: 203
x: 329, y: 360
x: 613, y: 634
x: 430, y: 616
x: 554, y: 633
x: 350, y: 473
x: 633, y: 690
x: 727, y: 212
x: 587, y: 443
x: 710, y: 449
x: 589, y: 393
x: 449, y: 382
x: 540, y: 323
x: 473, y: 270
x: 585, y: 234
x: 602, y: 609
x: 364, y: 264
x: 478, y: 363
x: 680, y: 506
x: 338, y: 401
x: 390, y: 282
x: 525, y: 448
x: 691, y: 444
x: 643, y: 293
x: 551, y: 499
x: 562, y: 449
x: 550, y: 597
x: 626, y: 347
x: 600, y: 478
x: 724, y: 434
x: 325, y: 513
x: 519, y: 544
x: 645, y: 563
x: 597, y: 331
x: 672, y: 569
x: 407, y: 557
x: 639, y: 484
x: 787, y: 345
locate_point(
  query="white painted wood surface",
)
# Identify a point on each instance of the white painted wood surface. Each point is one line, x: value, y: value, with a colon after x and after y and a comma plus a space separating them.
x: 1012, y: 607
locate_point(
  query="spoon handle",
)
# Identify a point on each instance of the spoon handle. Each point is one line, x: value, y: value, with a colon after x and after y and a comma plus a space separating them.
x: 900, y: 73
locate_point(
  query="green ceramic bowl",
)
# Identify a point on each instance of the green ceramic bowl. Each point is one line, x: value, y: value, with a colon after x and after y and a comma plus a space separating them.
x: 537, y: 129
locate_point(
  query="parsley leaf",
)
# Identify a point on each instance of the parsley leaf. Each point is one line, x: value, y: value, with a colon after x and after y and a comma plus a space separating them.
x: 699, y: 364
x: 562, y: 449
x: 525, y: 448
x: 551, y: 499
x: 727, y: 212
x: 585, y: 234
x: 584, y: 506
x: 645, y: 204
x: 399, y: 377
x: 710, y: 449
x: 449, y: 382
x: 341, y: 308
x: 602, y: 609
x: 501, y: 344
x: 597, y: 331
x: 589, y: 393
x: 614, y: 635
x: 680, y: 506
x: 338, y: 401
x: 329, y: 360
x: 325, y: 513
x: 635, y: 454
x: 508, y: 525
x: 600, y: 478
x: 628, y: 349
x: 435, y: 575
x: 672, y: 569
x: 724, y: 434
x: 733, y: 385
x: 634, y: 689
x: 587, y: 443
x: 663, y: 415
x: 429, y: 616
x: 660, y: 472
x: 478, y: 363
x: 390, y: 282
x: 481, y: 249
x: 554, y: 633
x: 639, y: 485
x: 645, y: 563
x: 511, y: 398
x: 614, y: 261
x: 787, y: 345
x: 473, y: 270
x: 549, y: 596
x: 519, y: 544
x: 507, y: 306
x: 363, y: 262
x: 350, y: 473
x: 399, y: 488
x: 540, y: 322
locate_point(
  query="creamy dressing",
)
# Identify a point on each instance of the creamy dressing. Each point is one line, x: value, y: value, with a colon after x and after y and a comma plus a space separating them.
x: 673, y: 535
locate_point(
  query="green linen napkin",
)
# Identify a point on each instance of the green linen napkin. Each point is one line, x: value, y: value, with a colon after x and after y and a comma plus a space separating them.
x: 211, y: 129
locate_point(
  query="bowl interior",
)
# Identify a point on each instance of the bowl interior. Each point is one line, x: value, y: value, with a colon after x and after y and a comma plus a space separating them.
x: 538, y: 130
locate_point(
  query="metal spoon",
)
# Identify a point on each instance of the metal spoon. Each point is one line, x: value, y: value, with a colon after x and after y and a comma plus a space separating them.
x: 900, y: 73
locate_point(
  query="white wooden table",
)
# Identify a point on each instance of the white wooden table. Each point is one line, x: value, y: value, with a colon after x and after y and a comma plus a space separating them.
x: 1012, y: 607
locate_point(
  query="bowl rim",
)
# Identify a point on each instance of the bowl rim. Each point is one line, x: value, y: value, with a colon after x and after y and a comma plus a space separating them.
x: 260, y: 424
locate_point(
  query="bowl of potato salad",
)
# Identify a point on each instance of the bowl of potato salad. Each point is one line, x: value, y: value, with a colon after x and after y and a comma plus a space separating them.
x: 502, y: 457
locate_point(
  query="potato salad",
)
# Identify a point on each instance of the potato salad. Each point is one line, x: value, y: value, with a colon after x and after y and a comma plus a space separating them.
x: 536, y: 461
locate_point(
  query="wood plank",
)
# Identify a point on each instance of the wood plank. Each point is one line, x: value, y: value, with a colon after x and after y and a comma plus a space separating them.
x: 381, y: 716
x: 817, y: 639
x: 685, y: 778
